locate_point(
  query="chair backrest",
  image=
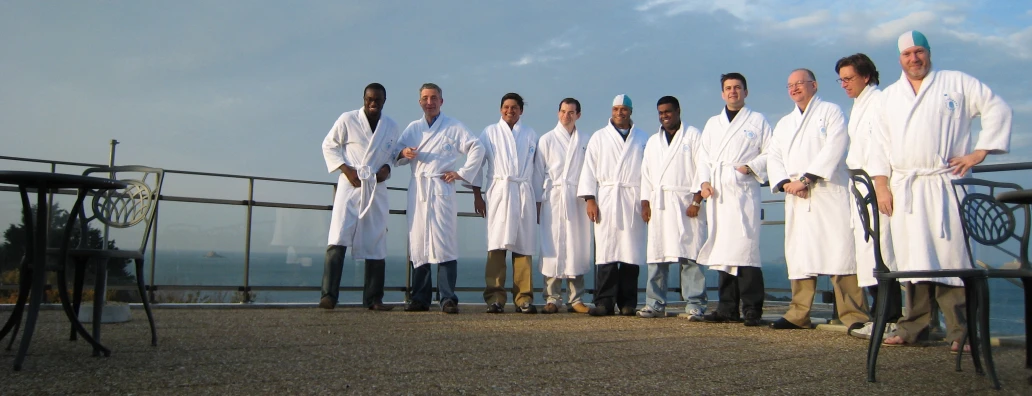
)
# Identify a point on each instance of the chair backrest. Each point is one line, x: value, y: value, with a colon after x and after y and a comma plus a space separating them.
x: 134, y: 205
x: 867, y: 207
x: 990, y: 222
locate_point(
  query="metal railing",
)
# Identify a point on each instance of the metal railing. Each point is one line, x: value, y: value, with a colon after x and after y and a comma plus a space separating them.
x: 250, y: 203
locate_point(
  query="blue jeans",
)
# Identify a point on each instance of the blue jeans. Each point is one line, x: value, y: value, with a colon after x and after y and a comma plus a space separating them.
x: 447, y: 272
x: 693, y: 285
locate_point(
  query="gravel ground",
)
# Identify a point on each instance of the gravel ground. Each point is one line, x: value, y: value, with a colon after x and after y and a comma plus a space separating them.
x: 352, y: 350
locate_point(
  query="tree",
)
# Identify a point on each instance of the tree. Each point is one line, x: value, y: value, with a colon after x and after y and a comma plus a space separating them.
x: 13, y: 248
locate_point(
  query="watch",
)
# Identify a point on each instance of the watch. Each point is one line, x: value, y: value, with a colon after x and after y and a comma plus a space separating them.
x: 696, y: 204
x: 805, y: 180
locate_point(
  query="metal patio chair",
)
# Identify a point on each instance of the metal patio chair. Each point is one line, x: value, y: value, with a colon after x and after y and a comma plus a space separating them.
x: 975, y: 283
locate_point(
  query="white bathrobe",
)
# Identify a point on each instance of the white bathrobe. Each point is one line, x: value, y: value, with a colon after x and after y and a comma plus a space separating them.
x: 359, y: 217
x: 863, y: 119
x: 818, y: 236
x: 919, y: 134
x: 669, y: 182
x: 612, y: 173
x: 512, y: 187
x: 733, y: 212
x: 432, y: 212
x: 565, y: 228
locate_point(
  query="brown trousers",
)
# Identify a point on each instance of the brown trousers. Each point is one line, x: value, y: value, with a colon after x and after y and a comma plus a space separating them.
x: 952, y: 303
x: 494, y: 278
x: 849, y: 300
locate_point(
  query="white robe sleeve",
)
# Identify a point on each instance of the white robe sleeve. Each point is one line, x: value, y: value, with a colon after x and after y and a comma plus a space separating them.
x: 539, y: 174
x: 702, y: 169
x: 646, y: 174
x: 485, y: 165
x: 333, y: 146
x: 995, y: 113
x: 588, y: 184
x: 832, y: 155
x: 877, y: 161
x: 475, y: 153
x: 776, y: 165
x: 759, y: 164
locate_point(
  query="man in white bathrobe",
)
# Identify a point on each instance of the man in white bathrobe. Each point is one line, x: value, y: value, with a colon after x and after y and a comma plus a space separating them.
x: 808, y: 162
x: 670, y: 207
x: 610, y: 185
x: 513, y: 183
x: 732, y: 165
x: 433, y: 146
x: 565, y: 229
x: 360, y: 145
x: 925, y: 142
x: 858, y: 76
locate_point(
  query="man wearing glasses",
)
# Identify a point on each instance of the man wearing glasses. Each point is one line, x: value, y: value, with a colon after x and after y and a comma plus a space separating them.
x: 924, y: 142
x: 807, y: 162
x: 859, y: 78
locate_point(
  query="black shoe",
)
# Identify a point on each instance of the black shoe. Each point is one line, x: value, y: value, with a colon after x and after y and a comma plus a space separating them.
x: 717, y: 317
x: 627, y: 311
x: 327, y: 303
x: 782, y: 324
x: 495, y: 308
x: 753, y: 319
x: 380, y: 307
x: 599, y: 310
x: 416, y: 307
x: 450, y: 307
x: 526, y: 308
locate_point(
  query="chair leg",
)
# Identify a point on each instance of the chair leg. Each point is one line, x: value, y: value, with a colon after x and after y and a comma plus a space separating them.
x: 983, y: 318
x: 80, y: 268
x: 881, y: 311
x: 973, y: 307
x: 1027, y: 284
x: 62, y: 289
x: 146, y: 304
x: 14, y: 322
x: 99, y: 299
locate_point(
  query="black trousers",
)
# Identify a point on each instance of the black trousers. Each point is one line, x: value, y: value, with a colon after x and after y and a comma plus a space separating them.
x: 372, y: 287
x: 616, y: 283
x: 894, y: 305
x: 746, y: 288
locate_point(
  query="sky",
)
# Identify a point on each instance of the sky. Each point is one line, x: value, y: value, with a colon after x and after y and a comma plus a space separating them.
x: 252, y: 87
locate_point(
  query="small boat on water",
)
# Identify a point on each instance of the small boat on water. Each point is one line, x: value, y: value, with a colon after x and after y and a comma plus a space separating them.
x: 212, y: 254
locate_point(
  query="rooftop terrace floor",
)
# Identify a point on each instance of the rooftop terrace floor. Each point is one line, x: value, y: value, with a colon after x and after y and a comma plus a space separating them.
x: 355, y: 351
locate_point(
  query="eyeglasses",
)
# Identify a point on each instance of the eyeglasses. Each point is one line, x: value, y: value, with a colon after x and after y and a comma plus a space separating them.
x: 798, y: 84
x: 846, y: 80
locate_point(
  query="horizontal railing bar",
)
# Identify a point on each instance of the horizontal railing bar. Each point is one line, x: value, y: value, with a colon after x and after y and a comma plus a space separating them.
x: 253, y: 288
x: 41, y: 161
x: 1013, y: 166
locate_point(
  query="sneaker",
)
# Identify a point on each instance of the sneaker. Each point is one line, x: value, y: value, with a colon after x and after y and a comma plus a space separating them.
x: 495, y: 308
x: 695, y: 309
x: 578, y: 308
x: 450, y: 307
x: 550, y: 308
x: 526, y: 308
x: 648, y: 312
x: 867, y: 329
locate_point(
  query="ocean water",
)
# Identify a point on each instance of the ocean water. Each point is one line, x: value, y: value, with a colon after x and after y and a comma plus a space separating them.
x: 305, y: 267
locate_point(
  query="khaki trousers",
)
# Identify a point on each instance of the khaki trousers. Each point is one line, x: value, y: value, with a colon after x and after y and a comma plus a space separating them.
x: 553, y: 288
x: 494, y: 278
x: 849, y: 300
x: 952, y: 303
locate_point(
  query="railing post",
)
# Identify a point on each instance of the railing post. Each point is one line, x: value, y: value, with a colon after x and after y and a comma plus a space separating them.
x: 153, y: 250
x: 247, y: 241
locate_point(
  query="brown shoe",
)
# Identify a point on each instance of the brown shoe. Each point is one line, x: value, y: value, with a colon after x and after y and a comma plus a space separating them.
x: 327, y: 303
x: 550, y: 309
x: 380, y: 307
x: 578, y: 308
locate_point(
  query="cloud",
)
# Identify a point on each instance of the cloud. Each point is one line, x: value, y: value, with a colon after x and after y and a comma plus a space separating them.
x: 817, y: 18
x: 1022, y: 107
x: 890, y: 31
x: 555, y: 49
x: 1018, y: 44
